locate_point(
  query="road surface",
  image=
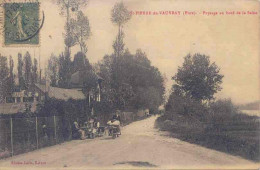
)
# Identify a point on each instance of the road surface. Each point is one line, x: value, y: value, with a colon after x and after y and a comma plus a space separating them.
x: 139, y: 146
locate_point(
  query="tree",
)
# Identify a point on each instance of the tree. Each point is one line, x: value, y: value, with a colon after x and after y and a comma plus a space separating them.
x: 66, y: 6
x: 64, y: 71
x: 27, y: 69
x: 80, y: 30
x: 53, y: 68
x: 35, y: 71
x: 198, y: 78
x: 137, y: 84
x: 90, y: 81
x: 119, y: 16
x: 80, y: 62
x: 3, y: 78
x: 11, y: 82
x: 20, y: 71
x: 147, y: 83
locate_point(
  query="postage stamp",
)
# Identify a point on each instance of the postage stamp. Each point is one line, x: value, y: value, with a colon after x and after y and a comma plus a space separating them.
x: 22, y: 23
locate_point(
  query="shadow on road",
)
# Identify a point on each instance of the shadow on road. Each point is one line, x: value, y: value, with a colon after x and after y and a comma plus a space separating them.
x: 107, y: 138
x: 137, y: 164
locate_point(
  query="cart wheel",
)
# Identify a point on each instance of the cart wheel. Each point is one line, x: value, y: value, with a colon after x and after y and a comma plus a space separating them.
x: 114, y: 136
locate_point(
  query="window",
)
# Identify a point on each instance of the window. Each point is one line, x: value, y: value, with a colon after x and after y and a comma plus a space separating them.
x: 9, y: 99
x: 18, y: 99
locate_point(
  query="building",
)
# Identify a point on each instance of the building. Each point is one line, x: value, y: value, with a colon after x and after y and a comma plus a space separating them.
x: 60, y: 93
x: 84, y: 78
x: 19, y: 100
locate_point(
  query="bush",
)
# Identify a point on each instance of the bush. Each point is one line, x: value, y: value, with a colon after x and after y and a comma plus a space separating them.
x: 220, y: 126
x: 222, y: 110
x: 183, y: 105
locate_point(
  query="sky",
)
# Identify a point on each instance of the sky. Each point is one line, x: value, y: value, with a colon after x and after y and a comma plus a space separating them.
x: 231, y: 41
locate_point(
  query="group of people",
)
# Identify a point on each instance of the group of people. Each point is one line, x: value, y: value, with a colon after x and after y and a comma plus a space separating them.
x: 79, y: 132
x: 94, y: 124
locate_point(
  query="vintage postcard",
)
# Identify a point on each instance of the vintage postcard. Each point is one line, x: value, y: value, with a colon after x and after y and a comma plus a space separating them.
x: 129, y: 84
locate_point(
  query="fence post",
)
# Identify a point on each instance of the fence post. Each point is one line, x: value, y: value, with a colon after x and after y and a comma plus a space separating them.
x: 70, y: 137
x: 36, y: 128
x: 55, y: 135
x: 12, y: 146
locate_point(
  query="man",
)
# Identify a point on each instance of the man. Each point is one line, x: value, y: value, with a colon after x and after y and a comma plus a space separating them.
x: 77, y: 132
x: 117, y: 117
x: 96, y: 125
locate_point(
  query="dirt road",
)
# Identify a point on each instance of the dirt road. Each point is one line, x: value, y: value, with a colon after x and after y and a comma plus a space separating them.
x: 139, y: 146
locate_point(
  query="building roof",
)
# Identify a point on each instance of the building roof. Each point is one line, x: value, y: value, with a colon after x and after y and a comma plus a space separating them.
x: 78, y: 78
x: 61, y: 93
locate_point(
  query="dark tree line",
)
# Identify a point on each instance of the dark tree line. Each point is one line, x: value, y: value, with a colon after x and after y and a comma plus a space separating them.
x: 131, y: 81
x: 27, y: 74
x: 61, y: 68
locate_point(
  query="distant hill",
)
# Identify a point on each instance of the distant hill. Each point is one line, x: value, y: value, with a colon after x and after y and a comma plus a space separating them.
x: 250, y: 106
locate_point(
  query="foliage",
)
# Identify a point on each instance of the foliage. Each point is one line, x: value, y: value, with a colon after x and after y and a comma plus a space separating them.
x: 66, y: 7
x: 131, y: 81
x: 198, y: 78
x: 80, y: 62
x: 35, y: 71
x: 64, y: 70
x: 119, y: 14
x: 90, y: 81
x: 27, y: 69
x: 20, y: 71
x: 223, y: 126
x: 11, y: 82
x: 4, y: 72
x: 80, y: 30
x: 53, y: 70
x: 250, y: 106
x: 118, y: 44
x: 185, y: 106
x: 72, y: 5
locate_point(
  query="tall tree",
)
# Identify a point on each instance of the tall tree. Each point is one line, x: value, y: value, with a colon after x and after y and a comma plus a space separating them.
x: 11, y: 82
x: 198, y: 78
x: 119, y: 16
x: 27, y: 69
x: 20, y: 71
x: 3, y: 78
x: 80, y: 62
x: 66, y: 7
x: 64, y: 71
x: 35, y: 71
x: 53, y: 68
x: 80, y: 30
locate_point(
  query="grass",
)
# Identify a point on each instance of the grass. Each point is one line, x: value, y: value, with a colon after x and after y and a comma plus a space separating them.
x: 237, y: 135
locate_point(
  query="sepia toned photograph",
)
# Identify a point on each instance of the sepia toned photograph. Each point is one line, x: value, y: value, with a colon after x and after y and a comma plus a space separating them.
x: 129, y: 84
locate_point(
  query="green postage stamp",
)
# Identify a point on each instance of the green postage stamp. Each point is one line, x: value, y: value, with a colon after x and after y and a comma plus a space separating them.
x: 22, y: 23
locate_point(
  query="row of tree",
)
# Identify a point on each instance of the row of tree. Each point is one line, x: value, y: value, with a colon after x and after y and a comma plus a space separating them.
x: 27, y: 73
x: 131, y: 81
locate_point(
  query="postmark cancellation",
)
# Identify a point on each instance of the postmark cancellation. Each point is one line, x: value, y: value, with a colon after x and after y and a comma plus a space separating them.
x: 21, y: 23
